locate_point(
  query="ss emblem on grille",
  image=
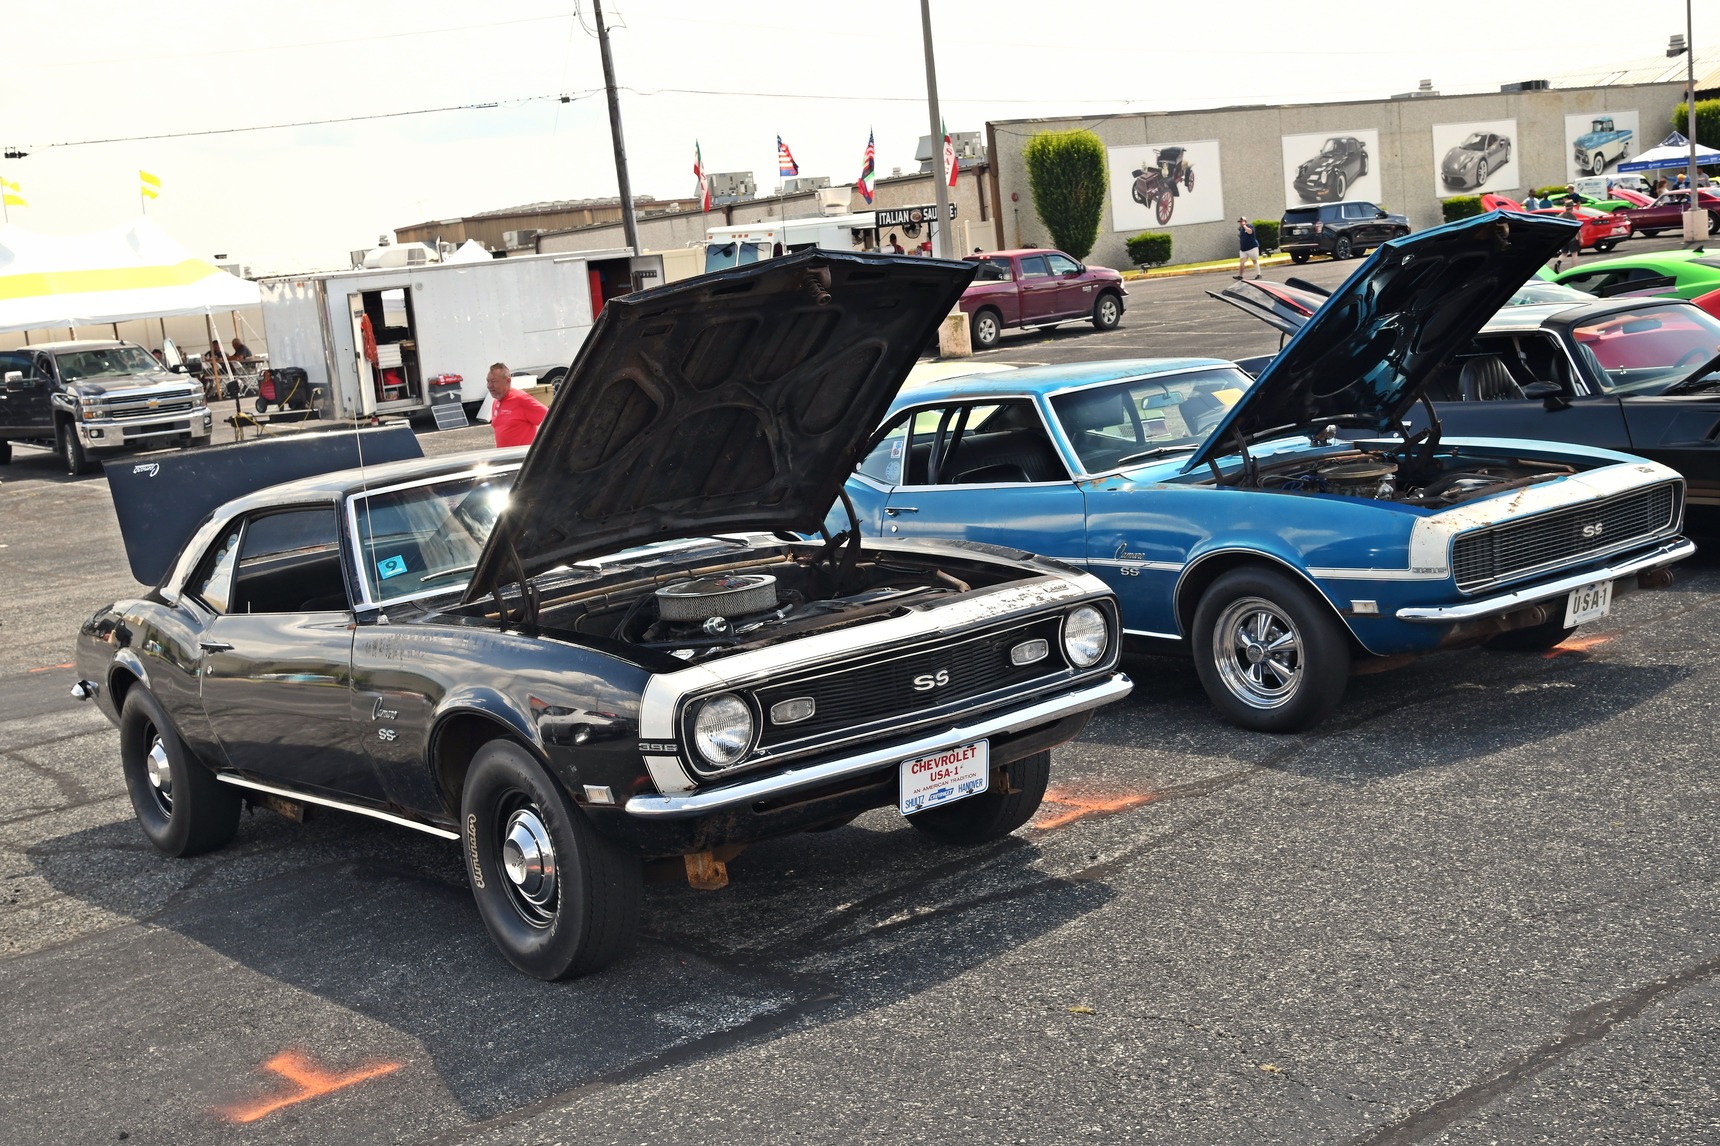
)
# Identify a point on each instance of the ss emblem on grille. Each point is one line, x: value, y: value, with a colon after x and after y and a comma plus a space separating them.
x: 1594, y: 530
x: 927, y: 681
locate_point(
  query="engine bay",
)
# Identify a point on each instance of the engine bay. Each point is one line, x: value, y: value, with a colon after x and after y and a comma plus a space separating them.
x: 1439, y: 482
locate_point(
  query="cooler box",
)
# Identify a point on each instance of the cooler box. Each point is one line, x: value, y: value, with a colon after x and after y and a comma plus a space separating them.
x: 445, y: 388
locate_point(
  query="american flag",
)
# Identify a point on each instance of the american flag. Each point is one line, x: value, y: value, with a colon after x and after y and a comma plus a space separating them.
x: 785, y: 164
x: 868, y: 176
x: 699, y: 173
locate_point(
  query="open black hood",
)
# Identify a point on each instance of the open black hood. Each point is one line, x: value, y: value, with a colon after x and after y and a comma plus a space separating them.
x: 1368, y: 351
x: 733, y: 401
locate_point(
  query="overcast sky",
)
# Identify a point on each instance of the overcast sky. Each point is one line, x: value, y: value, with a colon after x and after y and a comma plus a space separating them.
x: 730, y: 75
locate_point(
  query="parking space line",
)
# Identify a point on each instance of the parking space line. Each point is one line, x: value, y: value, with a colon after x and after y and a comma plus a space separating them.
x: 311, y: 1080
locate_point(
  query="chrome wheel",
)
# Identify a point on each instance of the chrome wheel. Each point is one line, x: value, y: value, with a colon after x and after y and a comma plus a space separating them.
x: 1258, y: 652
x: 160, y: 774
x: 528, y: 862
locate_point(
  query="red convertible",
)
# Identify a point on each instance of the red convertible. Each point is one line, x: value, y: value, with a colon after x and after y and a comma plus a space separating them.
x: 1667, y: 213
x: 1038, y: 288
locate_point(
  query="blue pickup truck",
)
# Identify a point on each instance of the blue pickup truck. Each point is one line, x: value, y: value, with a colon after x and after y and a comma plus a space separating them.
x: 1603, y: 144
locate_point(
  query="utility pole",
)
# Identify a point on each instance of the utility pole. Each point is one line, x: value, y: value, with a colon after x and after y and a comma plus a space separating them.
x: 945, y: 233
x: 1694, y: 211
x: 629, y: 226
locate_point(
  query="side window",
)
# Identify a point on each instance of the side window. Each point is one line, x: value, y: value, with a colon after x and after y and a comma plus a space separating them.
x: 1034, y: 267
x: 14, y: 361
x: 283, y: 562
x: 886, y: 463
x: 1357, y: 211
x: 992, y: 444
x: 1060, y: 265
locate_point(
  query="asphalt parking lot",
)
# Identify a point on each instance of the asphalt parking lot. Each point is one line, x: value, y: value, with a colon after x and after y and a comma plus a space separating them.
x: 1477, y: 906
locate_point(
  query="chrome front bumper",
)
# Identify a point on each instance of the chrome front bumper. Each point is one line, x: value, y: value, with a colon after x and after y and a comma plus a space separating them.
x: 790, y: 780
x: 1665, y: 554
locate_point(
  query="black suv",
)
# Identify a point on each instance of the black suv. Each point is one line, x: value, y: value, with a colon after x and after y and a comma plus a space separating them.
x: 1336, y: 229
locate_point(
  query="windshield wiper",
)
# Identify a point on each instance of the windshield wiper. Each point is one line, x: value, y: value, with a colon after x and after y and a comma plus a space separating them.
x: 1155, y: 452
x: 1697, y: 379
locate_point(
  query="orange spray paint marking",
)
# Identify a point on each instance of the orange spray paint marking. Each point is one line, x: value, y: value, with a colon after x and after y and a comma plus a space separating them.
x: 51, y: 668
x: 312, y: 1082
x: 1079, y: 806
x: 1575, y: 645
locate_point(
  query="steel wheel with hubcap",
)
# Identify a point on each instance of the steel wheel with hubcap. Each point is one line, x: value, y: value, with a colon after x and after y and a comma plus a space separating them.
x: 987, y: 329
x: 559, y: 900
x: 1270, y: 656
x: 1015, y: 794
x: 1107, y: 312
x: 180, y: 805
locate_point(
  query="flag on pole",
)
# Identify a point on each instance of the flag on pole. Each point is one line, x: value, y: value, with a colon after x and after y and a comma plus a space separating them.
x: 868, y: 174
x: 151, y: 185
x: 704, y: 191
x: 11, y: 194
x: 949, y: 153
x: 785, y: 164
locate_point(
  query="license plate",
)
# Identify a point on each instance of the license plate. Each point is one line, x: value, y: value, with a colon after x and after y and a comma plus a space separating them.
x: 928, y: 781
x: 1588, y: 603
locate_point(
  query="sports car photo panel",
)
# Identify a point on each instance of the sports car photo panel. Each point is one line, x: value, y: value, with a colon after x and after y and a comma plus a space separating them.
x: 1157, y: 185
x: 1469, y: 158
x: 1332, y: 166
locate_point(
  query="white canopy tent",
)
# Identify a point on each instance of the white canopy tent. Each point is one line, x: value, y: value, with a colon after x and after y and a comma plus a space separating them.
x: 134, y: 271
x: 1673, y: 153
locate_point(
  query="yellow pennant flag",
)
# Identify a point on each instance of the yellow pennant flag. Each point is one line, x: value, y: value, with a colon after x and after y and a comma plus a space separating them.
x: 151, y: 185
x: 10, y: 192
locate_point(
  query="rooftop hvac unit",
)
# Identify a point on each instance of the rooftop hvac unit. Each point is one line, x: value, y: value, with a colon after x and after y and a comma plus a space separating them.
x: 513, y: 240
x: 416, y: 256
x: 357, y: 258
x: 804, y: 183
x: 834, y: 200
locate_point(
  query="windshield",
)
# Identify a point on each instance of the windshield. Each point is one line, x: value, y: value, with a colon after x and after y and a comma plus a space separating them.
x: 1473, y: 143
x: 1536, y: 291
x: 1647, y: 351
x: 1110, y: 425
x: 1331, y: 147
x: 722, y: 256
x: 426, y: 538
x: 108, y: 362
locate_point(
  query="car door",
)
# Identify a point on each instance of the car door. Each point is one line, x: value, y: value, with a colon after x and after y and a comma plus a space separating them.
x: 1039, y: 289
x: 12, y: 362
x: 1579, y: 413
x: 277, y: 651
x: 1075, y: 292
x: 984, y: 471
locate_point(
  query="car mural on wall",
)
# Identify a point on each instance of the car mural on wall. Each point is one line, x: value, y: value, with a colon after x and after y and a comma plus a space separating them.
x: 1471, y: 162
x: 1237, y: 522
x: 1343, y: 159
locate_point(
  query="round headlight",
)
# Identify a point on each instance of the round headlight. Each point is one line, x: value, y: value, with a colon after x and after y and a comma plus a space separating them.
x: 722, y: 729
x: 1084, y: 636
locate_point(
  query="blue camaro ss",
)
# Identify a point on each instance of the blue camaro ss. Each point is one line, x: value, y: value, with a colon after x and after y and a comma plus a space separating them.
x: 1281, y: 529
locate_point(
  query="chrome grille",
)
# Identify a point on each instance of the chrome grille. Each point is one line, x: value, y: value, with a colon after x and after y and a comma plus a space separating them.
x: 882, y: 688
x: 134, y: 407
x: 1562, y: 536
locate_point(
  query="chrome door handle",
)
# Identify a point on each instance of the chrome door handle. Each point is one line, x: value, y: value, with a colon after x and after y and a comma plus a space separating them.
x: 895, y: 509
x: 215, y: 646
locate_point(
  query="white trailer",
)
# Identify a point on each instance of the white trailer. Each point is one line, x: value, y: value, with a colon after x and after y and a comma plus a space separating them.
x: 374, y: 339
x: 746, y: 243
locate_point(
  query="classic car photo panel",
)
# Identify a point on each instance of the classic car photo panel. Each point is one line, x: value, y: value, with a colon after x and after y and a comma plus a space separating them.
x: 1470, y: 158
x: 1596, y: 141
x: 1331, y: 166
x: 1155, y: 185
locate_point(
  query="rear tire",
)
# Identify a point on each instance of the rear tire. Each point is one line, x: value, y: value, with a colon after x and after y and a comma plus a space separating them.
x: 1714, y: 222
x: 1298, y: 257
x: 559, y: 900
x: 1341, y: 249
x: 1009, y: 803
x: 1107, y: 312
x: 1605, y: 245
x: 182, y: 808
x: 5, y: 453
x: 987, y: 329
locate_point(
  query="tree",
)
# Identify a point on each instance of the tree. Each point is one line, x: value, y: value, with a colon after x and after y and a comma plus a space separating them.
x: 1067, y: 173
x: 1707, y: 121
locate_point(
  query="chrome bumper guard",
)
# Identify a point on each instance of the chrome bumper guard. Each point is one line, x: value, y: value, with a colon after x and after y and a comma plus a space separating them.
x: 1675, y: 550
x: 790, y: 780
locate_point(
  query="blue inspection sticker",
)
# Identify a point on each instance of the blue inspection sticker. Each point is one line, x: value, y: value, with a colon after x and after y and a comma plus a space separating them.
x: 390, y: 567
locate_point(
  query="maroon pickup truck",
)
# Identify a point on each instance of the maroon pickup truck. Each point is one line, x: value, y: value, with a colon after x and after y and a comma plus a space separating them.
x: 1038, y: 288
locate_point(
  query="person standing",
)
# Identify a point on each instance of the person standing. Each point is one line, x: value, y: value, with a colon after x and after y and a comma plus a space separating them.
x: 1574, y: 248
x: 893, y: 247
x: 514, y: 415
x: 1249, y: 244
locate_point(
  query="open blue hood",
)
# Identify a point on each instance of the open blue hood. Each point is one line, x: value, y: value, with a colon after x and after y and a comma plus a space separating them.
x: 1365, y: 356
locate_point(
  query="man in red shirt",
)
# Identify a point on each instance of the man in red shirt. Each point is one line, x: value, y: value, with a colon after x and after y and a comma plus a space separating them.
x: 514, y: 414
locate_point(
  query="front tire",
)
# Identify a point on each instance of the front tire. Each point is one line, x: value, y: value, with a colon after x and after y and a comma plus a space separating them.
x: 1015, y: 794
x: 1597, y: 164
x: 5, y: 453
x: 1166, y: 205
x: 1298, y: 257
x: 987, y: 329
x: 559, y: 900
x: 182, y: 808
x: 1714, y: 222
x: 1481, y: 173
x: 1271, y: 657
x: 1107, y: 312
x: 72, y: 454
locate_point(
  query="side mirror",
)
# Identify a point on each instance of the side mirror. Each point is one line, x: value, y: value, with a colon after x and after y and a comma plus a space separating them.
x: 14, y: 379
x: 1381, y: 215
x: 1548, y: 393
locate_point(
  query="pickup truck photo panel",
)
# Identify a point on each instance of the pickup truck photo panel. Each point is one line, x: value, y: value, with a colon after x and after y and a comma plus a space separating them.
x: 1471, y: 158
x: 1596, y: 141
x: 1331, y: 167
x: 1158, y: 185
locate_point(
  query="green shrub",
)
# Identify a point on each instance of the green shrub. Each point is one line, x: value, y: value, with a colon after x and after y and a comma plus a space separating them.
x: 1067, y: 173
x: 1266, y: 230
x: 1460, y: 207
x: 1707, y: 121
x: 1150, y: 249
x: 1551, y: 189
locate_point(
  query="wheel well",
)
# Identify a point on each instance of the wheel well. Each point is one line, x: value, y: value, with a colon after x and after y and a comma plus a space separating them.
x: 1197, y: 580
x: 456, y: 742
x: 992, y: 310
x: 120, y: 681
